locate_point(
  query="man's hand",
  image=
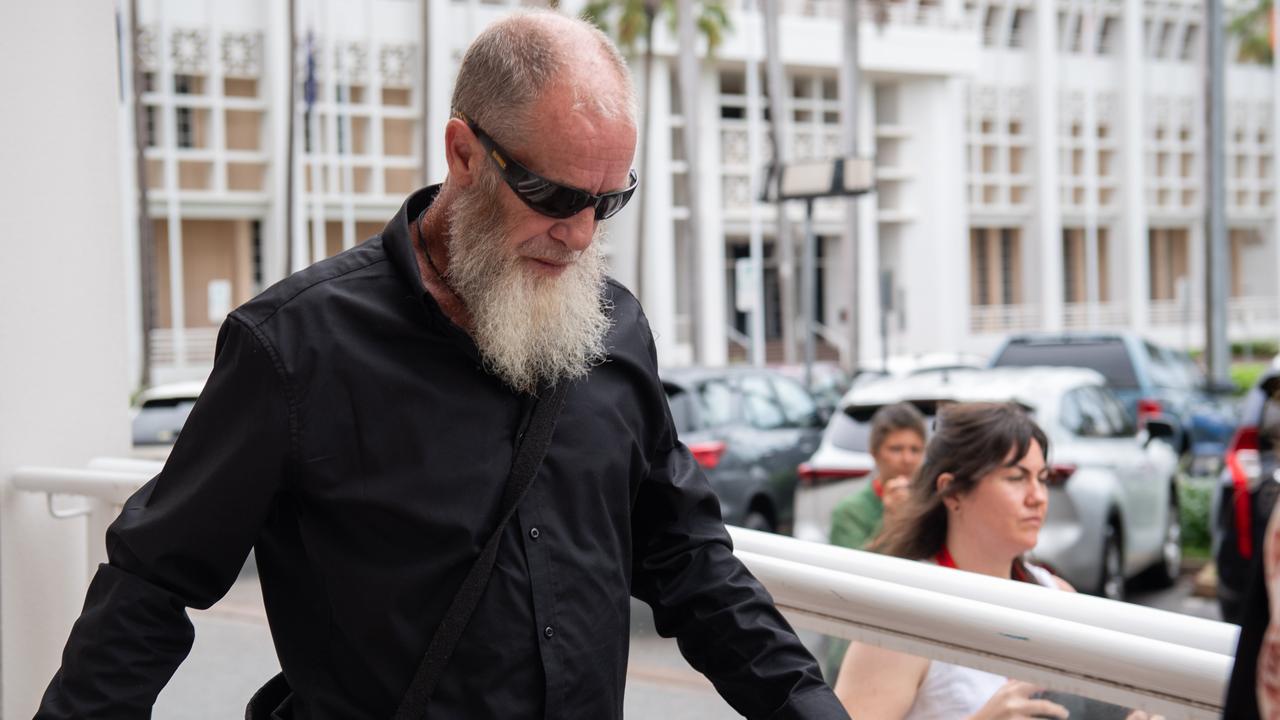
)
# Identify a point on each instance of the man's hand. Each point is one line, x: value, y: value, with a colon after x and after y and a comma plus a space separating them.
x: 1013, y: 701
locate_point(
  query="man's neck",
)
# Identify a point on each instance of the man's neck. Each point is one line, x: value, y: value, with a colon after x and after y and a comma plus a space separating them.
x: 430, y: 247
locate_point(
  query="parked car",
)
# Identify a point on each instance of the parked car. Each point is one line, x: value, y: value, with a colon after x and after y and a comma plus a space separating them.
x: 162, y: 410
x: 1247, y: 490
x: 1152, y: 381
x: 749, y: 429
x: 903, y: 365
x: 1113, y: 507
x: 829, y: 382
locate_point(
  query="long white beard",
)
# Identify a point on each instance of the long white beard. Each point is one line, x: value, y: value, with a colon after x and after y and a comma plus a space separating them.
x: 529, y: 329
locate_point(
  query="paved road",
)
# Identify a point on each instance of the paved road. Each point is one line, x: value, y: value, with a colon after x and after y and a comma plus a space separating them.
x: 233, y: 655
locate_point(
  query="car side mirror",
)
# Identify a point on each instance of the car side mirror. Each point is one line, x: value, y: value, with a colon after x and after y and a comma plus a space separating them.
x: 1159, y: 430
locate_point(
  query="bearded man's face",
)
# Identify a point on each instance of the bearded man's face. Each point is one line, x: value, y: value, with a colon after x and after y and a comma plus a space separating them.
x: 531, y: 326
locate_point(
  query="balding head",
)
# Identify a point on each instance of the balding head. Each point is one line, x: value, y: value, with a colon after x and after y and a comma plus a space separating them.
x: 515, y: 61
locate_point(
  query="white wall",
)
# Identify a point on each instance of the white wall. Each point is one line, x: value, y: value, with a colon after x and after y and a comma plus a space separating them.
x: 63, y: 378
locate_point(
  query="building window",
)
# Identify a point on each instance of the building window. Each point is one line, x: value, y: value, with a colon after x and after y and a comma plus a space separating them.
x: 255, y: 239
x: 182, y: 85
x: 1075, y: 265
x: 149, y: 113
x: 995, y: 266
x: 1167, y: 255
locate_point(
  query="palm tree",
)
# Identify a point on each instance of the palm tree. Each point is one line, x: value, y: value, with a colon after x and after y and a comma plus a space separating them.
x: 1253, y: 28
x: 633, y: 20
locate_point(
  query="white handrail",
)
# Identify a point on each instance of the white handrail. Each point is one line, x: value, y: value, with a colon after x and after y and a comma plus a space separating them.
x: 1129, y: 670
x: 1133, y: 656
x: 1199, y: 633
x: 113, y: 486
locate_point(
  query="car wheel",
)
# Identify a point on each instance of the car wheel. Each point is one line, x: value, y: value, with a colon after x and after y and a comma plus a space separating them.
x: 1112, y: 585
x: 756, y: 520
x: 1170, y: 565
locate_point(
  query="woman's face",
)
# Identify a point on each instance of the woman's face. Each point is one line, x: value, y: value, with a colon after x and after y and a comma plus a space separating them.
x: 899, y: 455
x: 1006, y: 508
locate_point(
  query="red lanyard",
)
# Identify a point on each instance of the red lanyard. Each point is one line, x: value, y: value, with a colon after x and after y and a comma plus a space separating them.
x: 944, y: 559
x: 877, y: 486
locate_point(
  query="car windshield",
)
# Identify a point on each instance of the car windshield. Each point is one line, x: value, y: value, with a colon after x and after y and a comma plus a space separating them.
x: 1109, y: 358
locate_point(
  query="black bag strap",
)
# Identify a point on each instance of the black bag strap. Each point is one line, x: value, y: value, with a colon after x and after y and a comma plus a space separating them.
x: 529, y: 454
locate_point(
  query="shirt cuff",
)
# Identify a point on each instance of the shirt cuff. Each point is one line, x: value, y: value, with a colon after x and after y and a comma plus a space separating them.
x: 816, y: 704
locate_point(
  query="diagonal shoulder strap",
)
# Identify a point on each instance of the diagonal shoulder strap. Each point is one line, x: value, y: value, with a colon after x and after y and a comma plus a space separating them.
x: 532, y: 448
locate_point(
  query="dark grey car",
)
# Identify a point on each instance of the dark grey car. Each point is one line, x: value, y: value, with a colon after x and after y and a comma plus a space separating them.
x: 749, y: 429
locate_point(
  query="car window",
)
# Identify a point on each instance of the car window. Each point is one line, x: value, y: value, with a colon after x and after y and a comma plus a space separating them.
x: 1122, y: 424
x: 1084, y: 413
x: 1069, y: 415
x: 848, y: 434
x: 797, y: 404
x: 760, y: 405
x: 1096, y: 421
x: 1107, y: 357
x: 716, y: 402
x: 683, y: 412
x: 1164, y: 368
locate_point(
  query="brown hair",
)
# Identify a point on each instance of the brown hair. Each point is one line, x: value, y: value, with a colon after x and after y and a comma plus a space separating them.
x: 892, y: 418
x: 969, y: 441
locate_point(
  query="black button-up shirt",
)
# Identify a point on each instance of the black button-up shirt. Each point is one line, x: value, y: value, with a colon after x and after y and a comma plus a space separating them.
x: 349, y: 434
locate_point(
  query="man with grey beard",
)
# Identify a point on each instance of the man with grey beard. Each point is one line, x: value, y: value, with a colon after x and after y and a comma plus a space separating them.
x: 450, y: 451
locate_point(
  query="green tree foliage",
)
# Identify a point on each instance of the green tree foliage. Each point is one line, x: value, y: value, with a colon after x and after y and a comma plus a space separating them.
x: 629, y: 20
x: 1253, y: 28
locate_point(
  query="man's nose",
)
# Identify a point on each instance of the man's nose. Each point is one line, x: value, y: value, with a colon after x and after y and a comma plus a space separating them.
x: 576, y: 231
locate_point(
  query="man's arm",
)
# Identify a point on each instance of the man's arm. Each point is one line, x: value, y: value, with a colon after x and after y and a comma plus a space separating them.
x: 724, y: 620
x: 180, y: 540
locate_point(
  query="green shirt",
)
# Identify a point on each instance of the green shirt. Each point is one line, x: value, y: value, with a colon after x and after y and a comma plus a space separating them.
x: 857, y: 518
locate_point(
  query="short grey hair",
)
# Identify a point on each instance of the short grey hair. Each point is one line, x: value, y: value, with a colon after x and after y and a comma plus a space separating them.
x: 514, y: 60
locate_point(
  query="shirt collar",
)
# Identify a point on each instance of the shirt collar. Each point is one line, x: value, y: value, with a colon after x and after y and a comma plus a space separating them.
x: 397, y: 237
x: 398, y: 243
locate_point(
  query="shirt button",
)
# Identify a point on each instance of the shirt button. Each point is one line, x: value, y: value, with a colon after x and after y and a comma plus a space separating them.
x: 548, y: 631
x: 535, y: 533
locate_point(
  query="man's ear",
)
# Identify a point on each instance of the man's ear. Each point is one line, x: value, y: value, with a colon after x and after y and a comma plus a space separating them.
x: 460, y: 152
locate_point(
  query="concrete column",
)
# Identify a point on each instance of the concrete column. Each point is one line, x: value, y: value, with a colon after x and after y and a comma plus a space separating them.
x: 129, y: 197
x: 276, y: 68
x: 438, y: 41
x: 713, y: 341
x: 1275, y: 170
x: 50, y: 333
x: 1133, y: 193
x: 1045, y: 238
x: 868, y: 280
x: 656, y: 201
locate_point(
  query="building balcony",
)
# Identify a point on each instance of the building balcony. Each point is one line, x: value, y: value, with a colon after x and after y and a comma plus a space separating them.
x: 1083, y: 316
x: 1003, y: 318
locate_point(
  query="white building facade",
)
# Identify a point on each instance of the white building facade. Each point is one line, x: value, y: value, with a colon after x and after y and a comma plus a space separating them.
x: 1039, y: 165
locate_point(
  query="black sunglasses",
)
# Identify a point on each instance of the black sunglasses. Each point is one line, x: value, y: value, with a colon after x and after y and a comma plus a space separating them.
x: 545, y: 196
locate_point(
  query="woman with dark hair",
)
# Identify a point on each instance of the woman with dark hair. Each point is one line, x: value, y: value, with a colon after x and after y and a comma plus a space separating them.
x: 977, y: 504
x: 897, y: 445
